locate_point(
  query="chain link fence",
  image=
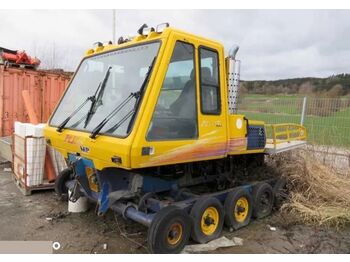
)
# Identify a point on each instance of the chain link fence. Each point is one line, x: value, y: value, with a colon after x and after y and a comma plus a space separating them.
x: 327, y: 120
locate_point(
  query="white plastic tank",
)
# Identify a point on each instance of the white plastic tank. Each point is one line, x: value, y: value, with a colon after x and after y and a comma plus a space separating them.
x: 81, y: 205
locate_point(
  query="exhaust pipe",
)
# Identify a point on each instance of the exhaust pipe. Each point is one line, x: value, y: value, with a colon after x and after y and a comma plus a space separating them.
x: 233, y: 51
x: 233, y: 77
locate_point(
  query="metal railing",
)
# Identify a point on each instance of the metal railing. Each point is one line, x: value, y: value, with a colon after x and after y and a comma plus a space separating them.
x: 285, y: 133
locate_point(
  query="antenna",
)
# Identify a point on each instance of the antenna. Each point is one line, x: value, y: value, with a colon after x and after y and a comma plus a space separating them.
x: 113, y: 26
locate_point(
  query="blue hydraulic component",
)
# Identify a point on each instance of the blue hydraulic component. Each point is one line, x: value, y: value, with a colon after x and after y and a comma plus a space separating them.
x: 132, y: 213
x: 154, y: 184
x: 103, y: 199
x: 79, y: 165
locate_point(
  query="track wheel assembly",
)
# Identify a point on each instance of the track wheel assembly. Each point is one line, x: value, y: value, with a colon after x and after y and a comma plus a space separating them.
x: 169, y: 231
x: 238, y: 208
x: 263, y: 197
x: 208, y: 219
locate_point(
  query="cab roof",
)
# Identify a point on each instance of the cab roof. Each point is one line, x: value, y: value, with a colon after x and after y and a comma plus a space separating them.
x: 145, y: 38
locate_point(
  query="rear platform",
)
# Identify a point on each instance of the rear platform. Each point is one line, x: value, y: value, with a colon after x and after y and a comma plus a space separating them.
x: 284, y: 137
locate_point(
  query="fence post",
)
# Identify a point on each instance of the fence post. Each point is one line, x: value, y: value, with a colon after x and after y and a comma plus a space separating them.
x: 303, y: 112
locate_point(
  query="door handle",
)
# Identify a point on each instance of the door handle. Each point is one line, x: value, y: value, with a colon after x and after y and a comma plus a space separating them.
x: 246, y: 119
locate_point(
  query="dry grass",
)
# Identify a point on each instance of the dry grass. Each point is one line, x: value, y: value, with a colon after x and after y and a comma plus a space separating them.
x: 318, y: 194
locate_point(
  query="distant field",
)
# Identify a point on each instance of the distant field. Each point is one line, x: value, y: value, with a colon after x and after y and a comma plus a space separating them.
x: 327, y: 119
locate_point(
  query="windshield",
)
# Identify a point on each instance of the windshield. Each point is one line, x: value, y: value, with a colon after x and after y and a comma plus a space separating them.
x: 127, y: 70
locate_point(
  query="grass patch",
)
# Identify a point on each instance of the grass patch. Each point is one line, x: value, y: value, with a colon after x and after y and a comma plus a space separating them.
x: 324, y: 127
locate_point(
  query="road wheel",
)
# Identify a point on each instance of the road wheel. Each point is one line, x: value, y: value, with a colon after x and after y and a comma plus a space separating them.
x: 60, y: 183
x: 263, y: 200
x: 238, y: 208
x: 208, y: 219
x: 280, y: 191
x: 169, y: 231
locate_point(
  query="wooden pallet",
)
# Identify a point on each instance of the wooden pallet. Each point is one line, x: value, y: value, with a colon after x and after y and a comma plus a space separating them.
x: 27, y: 191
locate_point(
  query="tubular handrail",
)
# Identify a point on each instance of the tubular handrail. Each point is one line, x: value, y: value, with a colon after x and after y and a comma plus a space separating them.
x: 285, y: 133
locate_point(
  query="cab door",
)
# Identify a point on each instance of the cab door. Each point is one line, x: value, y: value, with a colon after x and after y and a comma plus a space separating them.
x: 212, y: 106
x: 180, y: 127
x: 169, y: 125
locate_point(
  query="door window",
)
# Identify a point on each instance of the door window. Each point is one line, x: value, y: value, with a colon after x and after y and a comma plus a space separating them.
x: 209, y: 82
x: 175, y: 115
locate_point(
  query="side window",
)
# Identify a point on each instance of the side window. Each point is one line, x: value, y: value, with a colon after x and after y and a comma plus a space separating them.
x: 175, y: 116
x: 209, y: 82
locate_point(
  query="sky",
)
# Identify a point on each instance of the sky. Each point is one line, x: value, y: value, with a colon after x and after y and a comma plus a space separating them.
x: 274, y: 44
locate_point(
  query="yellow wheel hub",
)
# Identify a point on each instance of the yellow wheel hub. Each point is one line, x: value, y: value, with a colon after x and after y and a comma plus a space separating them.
x: 174, y: 234
x: 241, y: 209
x: 210, y: 221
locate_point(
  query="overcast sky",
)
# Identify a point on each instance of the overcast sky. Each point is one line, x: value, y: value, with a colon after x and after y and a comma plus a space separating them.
x: 274, y: 44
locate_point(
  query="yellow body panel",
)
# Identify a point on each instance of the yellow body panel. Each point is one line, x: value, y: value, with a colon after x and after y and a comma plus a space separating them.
x: 100, y: 151
x: 218, y: 135
x: 237, y: 141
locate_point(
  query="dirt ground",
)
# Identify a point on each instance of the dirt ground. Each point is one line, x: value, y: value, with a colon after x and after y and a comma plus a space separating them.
x: 28, y: 218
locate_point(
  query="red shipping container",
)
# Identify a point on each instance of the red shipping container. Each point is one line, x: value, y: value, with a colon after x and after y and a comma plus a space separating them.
x: 45, y: 89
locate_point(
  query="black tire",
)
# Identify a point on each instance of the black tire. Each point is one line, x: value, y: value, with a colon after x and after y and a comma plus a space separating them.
x: 235, y: 217
x: 213, y: 221
x: 280, y: 192
x: 263, y: 197
x: 60, y: 183
x: 161, y: 238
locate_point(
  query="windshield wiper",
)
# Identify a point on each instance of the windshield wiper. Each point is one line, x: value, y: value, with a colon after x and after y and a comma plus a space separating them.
x: 118, y: 124
x: 96, y: 102
x: 137, y: 95
x: 99, y: 93
x: 141, y: 92
x: 98, y: 128
x: 64, y: 123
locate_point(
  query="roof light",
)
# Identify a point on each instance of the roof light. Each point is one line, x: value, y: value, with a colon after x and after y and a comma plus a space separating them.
x: 121, y: 40
x: 160, y: 28
x: 147, y: 30
x: 98, y: 44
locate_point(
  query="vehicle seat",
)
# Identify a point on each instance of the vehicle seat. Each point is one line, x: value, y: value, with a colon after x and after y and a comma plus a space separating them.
x: 183, y: 105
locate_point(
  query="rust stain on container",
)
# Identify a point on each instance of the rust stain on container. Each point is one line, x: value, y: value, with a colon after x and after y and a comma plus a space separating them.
x: 45, y: 89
